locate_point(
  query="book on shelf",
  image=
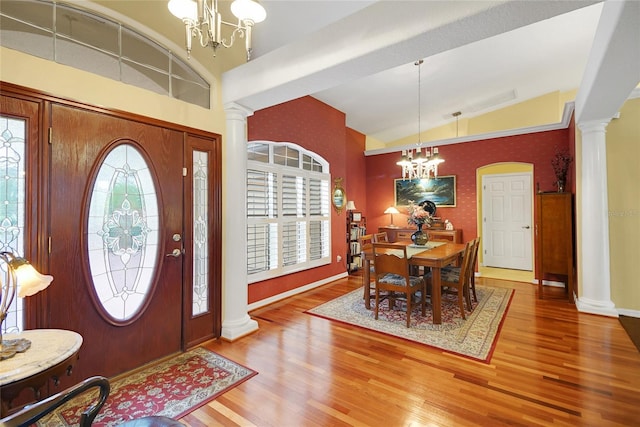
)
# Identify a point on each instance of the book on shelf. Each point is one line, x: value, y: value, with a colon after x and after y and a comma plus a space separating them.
x: 355, y: 248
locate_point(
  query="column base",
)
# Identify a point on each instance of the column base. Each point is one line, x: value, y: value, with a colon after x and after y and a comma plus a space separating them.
x: 603, y: 308
x: 236, y: 329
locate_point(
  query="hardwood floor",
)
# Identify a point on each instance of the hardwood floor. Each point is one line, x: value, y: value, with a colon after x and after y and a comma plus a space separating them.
x: 551, y: 366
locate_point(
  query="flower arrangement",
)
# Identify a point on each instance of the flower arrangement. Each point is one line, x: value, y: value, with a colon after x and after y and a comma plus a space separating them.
x: 560, y: 163
x: 417, y: 215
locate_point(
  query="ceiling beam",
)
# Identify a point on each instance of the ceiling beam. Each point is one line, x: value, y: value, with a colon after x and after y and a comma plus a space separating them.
x: 613, y: 67
x: 372, y: 40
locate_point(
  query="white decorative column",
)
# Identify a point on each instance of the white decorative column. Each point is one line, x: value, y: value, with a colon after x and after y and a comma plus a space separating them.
x: 595, y: 296
x: 236, y: 321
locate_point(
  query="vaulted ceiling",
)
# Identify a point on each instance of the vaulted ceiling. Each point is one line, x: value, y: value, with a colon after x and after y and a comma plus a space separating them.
x: 358, y: 56
x: 478, y: 57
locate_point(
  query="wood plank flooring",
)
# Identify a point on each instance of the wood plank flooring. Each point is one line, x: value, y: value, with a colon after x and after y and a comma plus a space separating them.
x: 552, y: 366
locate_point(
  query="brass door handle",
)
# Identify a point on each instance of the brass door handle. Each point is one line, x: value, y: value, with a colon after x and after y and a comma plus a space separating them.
x: 176, y: 253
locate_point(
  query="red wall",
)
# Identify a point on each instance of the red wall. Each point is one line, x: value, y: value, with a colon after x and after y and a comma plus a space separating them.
x: 319, y: 128
x: 462, y: 160
x: 369, y: 181
x: 356, y: 185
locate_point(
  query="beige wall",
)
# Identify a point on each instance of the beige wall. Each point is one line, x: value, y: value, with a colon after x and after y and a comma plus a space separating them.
x: 623, y: 175
x: 67, y: 82
x: 543, y: 110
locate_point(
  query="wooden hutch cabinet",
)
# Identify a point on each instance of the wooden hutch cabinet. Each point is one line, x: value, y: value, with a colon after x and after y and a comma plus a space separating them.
x: 395, y: 233
x: 555, y: 239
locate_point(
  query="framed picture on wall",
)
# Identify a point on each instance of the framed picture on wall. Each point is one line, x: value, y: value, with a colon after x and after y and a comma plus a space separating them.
x: 440, y: 190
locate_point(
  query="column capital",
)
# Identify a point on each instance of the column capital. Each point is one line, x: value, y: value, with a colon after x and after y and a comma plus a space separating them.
x: 235, y: 111
x: 591, y: 126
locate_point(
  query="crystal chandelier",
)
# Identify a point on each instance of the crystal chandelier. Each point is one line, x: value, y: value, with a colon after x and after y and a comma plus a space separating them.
x: 414, y: 164
x: 202, y: 20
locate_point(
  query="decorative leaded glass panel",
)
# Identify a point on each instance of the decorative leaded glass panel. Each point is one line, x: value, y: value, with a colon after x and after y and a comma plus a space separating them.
x: 123, y: 232
x: 12, y: 199
x: 200, y: 233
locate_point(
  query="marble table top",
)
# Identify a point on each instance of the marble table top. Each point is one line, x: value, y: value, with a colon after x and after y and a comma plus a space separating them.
x: 48, y: 348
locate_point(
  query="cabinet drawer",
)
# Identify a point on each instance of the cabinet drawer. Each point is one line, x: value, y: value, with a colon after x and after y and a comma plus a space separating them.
x: 403, y: 235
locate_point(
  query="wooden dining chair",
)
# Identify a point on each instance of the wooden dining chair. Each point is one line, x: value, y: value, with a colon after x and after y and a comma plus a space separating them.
x: 455, y: 280
x: 366, y: 245
x: 472, y: 272
x: 470, y: 285
x: 391, y: 272
x: 381, y: 237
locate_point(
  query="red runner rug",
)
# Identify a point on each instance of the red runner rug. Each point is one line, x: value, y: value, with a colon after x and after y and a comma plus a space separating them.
x: 172, y: 388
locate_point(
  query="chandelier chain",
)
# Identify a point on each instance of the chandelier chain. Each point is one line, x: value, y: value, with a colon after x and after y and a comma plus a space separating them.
x: 419, y: 166
x: 419, y: 63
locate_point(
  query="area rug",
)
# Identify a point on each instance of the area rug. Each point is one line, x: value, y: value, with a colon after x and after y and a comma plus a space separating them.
x: 473, y: 338
x: 172, y: 388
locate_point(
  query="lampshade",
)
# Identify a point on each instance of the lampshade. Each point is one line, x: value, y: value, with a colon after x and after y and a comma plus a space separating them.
x: 24, y: 280
x: 184, y: 9
x: 351, y: 205
x: 248, y: 10
x: 392, y: 210
x: 30, y: 281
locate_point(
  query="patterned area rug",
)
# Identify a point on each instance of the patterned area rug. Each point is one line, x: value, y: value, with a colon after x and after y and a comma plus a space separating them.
x: 474, y: 337
x: 172, y: 389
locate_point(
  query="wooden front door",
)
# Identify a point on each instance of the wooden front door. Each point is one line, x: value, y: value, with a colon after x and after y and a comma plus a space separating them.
x: 116, y: 247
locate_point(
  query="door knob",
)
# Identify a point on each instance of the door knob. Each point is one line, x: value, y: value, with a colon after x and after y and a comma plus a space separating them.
x: 525, y: 226
x: 176, y: 253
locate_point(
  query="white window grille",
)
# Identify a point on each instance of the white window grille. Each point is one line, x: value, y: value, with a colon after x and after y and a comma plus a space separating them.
x: 288, y: 217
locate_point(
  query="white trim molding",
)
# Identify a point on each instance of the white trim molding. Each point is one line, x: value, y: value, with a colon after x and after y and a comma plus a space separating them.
x: 296, y: 291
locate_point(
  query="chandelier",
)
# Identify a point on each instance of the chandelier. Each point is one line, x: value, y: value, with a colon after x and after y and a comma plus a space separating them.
x: 203, y: 21
x: 415, y: 164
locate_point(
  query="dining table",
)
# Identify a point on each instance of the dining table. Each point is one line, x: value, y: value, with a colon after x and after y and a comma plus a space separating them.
x: 434, y: 255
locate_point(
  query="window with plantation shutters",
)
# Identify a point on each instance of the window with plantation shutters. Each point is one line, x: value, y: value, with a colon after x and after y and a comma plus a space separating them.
x: 288, y: 216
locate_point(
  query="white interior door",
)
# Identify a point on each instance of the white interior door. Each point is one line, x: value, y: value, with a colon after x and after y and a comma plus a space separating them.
x: 507, y: 221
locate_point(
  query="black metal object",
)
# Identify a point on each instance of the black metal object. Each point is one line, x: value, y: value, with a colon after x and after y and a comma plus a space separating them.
x: 32, y: 413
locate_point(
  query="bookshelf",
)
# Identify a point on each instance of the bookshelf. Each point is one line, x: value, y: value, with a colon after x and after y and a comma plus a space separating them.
x: 356, y: 227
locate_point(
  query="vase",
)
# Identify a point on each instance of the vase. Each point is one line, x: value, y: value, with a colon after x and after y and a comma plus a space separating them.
x: 560, y: 185
x: 419, y: 237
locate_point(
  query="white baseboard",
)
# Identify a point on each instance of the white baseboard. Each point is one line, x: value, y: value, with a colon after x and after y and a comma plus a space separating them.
x: 296, y: 291
x: 630, y: 313
x: 549, y: 283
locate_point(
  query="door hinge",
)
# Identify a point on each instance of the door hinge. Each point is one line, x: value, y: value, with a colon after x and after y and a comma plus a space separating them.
x: 184, y: 171
x: 50, y: 135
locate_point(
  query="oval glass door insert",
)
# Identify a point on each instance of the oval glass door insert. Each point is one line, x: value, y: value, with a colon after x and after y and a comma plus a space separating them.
x: 123, y: 233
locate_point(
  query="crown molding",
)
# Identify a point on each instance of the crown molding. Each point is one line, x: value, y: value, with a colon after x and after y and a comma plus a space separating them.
x: 563, y: 124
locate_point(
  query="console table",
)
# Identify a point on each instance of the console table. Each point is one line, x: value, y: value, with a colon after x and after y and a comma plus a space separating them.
x: 396, y: 233
x: 52, y: 354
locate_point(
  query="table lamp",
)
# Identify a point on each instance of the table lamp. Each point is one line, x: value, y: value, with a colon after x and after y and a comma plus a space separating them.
x: 392, y: 210
x: 24, y: 280
x: 351, y: 205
